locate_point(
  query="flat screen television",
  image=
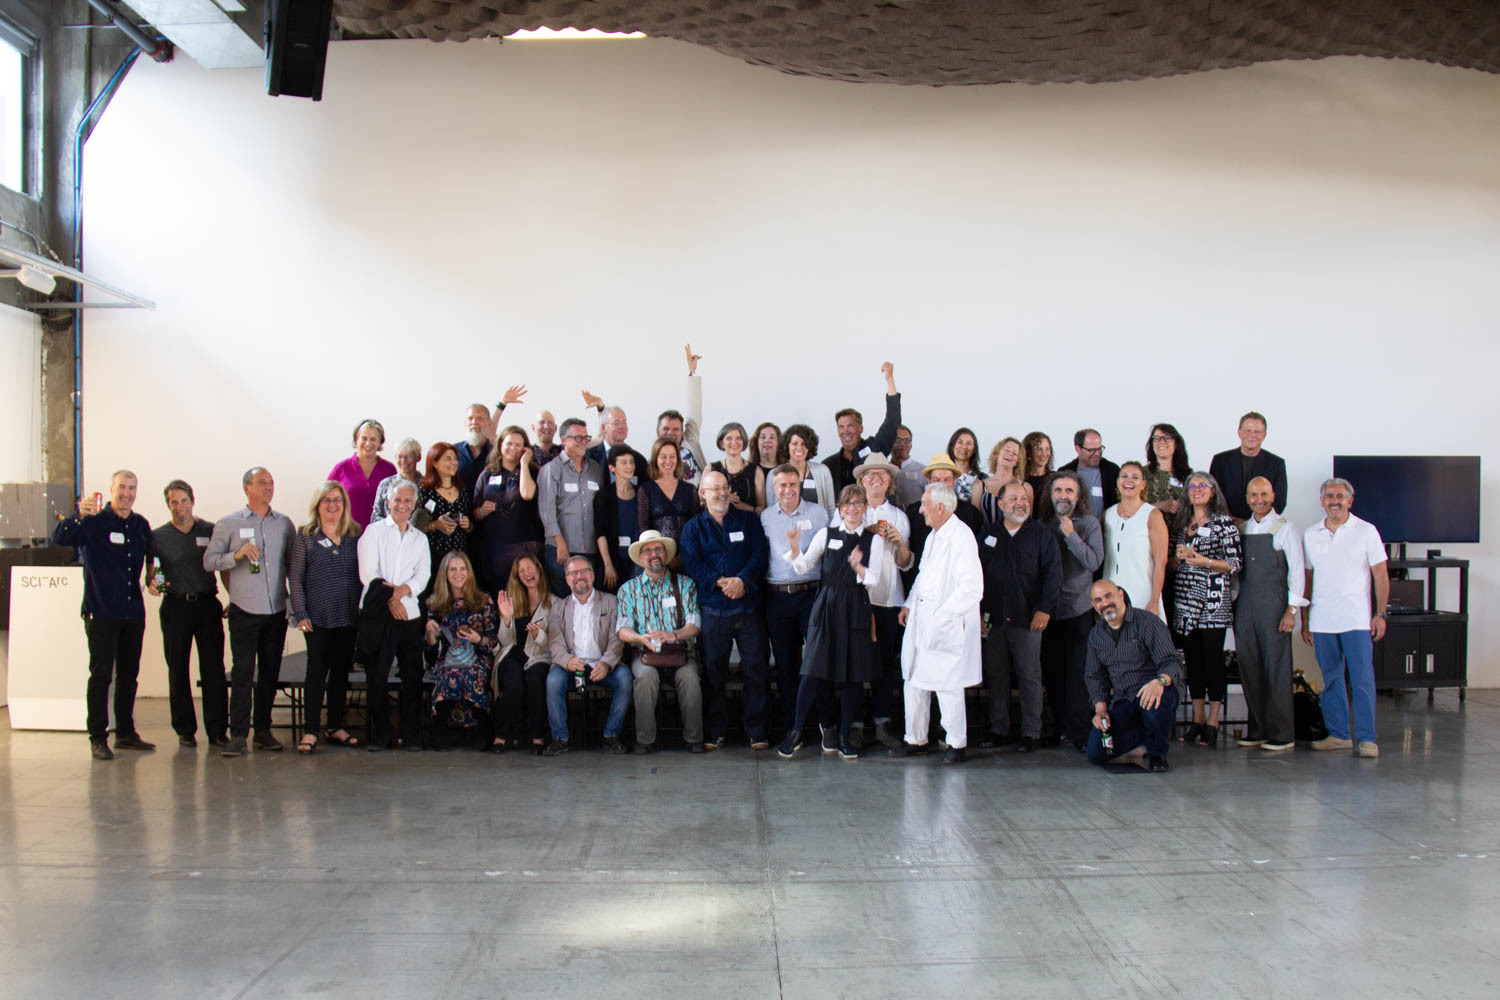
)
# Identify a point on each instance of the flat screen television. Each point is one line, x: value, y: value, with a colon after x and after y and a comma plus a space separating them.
x: 1415, y: 498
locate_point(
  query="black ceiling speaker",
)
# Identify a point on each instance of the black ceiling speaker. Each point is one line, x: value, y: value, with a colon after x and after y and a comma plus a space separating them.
x: 297, y: 46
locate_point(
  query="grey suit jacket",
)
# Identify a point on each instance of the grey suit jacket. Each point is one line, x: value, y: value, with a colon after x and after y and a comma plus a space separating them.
x: 606, y: 629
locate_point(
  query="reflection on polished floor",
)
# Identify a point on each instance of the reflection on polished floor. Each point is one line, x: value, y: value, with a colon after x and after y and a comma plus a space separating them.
x: 1238, y: 874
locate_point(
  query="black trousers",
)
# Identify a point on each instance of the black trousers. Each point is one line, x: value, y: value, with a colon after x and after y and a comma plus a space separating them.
x: 1064, y: 652
x: 330, y: 655
x: 787, y: 616
x: 885, y: 705
x: 523, y: 696
x: 442, y: 731
x: 114, y: 654
x: 255, y: 645
x: 1203, y: 653
x: 183, y: 623
x: 409, y: 640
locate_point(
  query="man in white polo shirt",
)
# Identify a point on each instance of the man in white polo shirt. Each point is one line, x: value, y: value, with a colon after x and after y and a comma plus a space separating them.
x: 1344, y: 556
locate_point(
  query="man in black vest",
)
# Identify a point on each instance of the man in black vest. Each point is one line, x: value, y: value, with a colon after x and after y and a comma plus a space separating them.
x: 854, y: 446
x: 1236, y: 467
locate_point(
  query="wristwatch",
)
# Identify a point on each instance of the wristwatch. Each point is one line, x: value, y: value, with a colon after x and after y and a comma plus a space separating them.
x: 1165, y: 680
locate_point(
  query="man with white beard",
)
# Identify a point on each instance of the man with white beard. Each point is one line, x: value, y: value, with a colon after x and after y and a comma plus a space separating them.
x: 941, y: 615
x: 475, y: 449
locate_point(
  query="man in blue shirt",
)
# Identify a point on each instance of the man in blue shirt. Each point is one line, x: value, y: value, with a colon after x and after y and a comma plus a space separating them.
x: 112, y: 541
x: 724, y: 550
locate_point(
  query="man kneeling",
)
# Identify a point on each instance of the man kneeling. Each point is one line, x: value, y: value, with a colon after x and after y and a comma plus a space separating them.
x: 1132, y: 673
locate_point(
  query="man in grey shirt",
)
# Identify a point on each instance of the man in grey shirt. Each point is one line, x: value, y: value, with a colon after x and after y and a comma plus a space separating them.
x: 252, y: 549
x: 565, y: 496
x: 1065, y: 643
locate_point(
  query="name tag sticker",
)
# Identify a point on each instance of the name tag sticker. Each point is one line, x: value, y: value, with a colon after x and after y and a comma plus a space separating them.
x: 118, y: 537
x: 669, y: 601
x: 570, y: 487
x: 805, y: 524
x: 1097, y: 491
x: 810, y: 483
x: 862, y: 453
x: 431, y: 505
x: 624, y: 541
x: 1203, y: 532
x: 736, y: 536
x: 990, y: 541
x: 202, y: 542
x: 325, y: 543
x: 593, y: 485
x: 247, y: 532
x: 836, y: 544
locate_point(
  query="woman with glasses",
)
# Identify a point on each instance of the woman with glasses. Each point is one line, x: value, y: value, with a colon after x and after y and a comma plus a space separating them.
x: 324, y: 581
x: 1206, y: 555
x: 408, y: 456
x: 1167, y: 469
x: 840, y: 646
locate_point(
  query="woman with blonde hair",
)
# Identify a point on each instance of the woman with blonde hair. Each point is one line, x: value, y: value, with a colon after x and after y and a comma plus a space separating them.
x: 510, y: 524
x: 1006, y: 466
x: 462, y: 633
x: 324, y: 579
x: 524, y: 658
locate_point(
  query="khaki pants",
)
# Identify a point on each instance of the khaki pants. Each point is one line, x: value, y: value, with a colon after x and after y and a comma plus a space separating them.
x: 689, y: 700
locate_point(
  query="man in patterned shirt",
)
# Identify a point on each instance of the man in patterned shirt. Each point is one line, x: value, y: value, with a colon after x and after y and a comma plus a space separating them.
x: 655, y: 608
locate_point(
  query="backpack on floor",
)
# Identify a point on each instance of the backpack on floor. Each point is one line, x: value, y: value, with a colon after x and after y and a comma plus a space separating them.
x: 1307, y: 709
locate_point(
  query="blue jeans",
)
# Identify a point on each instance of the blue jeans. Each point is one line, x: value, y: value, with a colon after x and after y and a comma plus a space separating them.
x: 619, y: 682
x: 748, y: 632
x: 1133, y: 726
x: 1354, y: 650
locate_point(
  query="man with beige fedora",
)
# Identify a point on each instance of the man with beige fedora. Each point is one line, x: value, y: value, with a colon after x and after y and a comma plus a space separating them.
x: 658, y: 614
x: 884, y: 518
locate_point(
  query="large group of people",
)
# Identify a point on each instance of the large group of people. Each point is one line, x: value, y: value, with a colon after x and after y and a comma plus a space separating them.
x: 492, y: 576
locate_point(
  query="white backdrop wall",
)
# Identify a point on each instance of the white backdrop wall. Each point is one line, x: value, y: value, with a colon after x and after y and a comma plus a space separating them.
x: 1317, y: 241
x: 20, y: 396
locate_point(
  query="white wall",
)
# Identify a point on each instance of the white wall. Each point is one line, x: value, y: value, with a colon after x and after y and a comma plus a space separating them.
x: 1314, y: 240
x: 20, y: 396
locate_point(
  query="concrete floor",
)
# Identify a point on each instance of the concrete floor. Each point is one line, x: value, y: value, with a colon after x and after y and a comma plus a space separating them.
x: 463, y: 875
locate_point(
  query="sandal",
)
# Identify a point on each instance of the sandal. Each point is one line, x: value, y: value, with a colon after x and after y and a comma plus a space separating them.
x: 1209, y: 736
x: 306, y: 747
x: 332, y: 736
x: 1193, y: 733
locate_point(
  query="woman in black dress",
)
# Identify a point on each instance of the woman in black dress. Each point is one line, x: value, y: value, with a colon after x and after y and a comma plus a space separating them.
x: 446, y: 502
x: 767, y: 450
x: 505, y: 507
x: 841, y: 628
x: 747, y: 481
x: 666, y: 502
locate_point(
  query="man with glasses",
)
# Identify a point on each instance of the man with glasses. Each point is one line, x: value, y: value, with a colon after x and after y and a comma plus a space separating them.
x: 724, y: 550
x: 583, y: 637
x: 1097, y: 473
x: 909, y: 481
x: 658, y: 608
x: 613, y: 429
x: 565, y: 499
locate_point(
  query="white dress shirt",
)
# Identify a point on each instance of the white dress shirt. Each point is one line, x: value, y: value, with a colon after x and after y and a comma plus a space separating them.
x: 585, y: 644
x: 815, y: 548
x: 400, y: 558
x: 1284, y: 539
x: 890, y: 593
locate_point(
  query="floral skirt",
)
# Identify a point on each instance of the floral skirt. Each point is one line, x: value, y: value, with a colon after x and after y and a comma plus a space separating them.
x: 466, y: 688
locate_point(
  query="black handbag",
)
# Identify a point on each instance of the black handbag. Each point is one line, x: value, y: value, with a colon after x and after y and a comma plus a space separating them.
x: 1307, y: 709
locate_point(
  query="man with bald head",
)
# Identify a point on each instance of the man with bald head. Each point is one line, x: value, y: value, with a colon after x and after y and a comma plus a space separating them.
x: 1133, y: 673
x: 1272, y: 583
x: 725, y: 552
x: 543, y: 431
x: 474, y: 450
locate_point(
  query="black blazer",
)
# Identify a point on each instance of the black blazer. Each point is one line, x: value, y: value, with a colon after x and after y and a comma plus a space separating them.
x: 1109, y: 472
x: 843, y: 469
x: 1228, y: 469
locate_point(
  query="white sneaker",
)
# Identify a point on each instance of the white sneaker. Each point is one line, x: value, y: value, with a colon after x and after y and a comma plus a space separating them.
x: 1369, y: 748
x: 1332, y: 743
x: 1271, y: 746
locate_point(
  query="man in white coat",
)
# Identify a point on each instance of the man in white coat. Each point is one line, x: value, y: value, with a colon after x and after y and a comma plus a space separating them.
x: 941, y: 615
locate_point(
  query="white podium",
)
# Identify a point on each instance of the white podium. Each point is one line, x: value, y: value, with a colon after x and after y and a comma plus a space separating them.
x: 49, y: 655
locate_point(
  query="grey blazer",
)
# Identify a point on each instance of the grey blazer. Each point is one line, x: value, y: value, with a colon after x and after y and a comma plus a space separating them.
x: 606, y: 629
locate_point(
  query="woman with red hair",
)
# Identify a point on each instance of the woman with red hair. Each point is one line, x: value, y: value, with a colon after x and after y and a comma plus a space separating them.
x: 443, y: 505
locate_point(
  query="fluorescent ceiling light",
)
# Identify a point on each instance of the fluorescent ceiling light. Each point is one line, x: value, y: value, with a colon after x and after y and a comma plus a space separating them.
x: 559, y: 33
x: 34, y: 271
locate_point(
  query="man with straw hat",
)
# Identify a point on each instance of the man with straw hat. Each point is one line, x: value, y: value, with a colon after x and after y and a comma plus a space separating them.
x: 658, y: 612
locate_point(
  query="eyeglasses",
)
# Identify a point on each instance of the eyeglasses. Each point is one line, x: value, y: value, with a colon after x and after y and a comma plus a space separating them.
x: 333, y: 501
x: 575, y: 437
x: 1159, y: 438
x: 1198, y: 486
x: 1099, y: 450
x: 579, y: 572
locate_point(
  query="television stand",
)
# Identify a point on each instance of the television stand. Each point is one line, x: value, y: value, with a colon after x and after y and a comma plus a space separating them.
x: 1429, y: 648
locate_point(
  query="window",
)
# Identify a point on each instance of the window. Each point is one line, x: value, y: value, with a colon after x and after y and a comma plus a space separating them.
x: 15, y: 92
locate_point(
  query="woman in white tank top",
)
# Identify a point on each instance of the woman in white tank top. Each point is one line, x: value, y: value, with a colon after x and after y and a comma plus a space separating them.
x: 1135, y: 542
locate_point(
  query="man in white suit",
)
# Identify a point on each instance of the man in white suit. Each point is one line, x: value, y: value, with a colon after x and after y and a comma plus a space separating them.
x: 941, y: 615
